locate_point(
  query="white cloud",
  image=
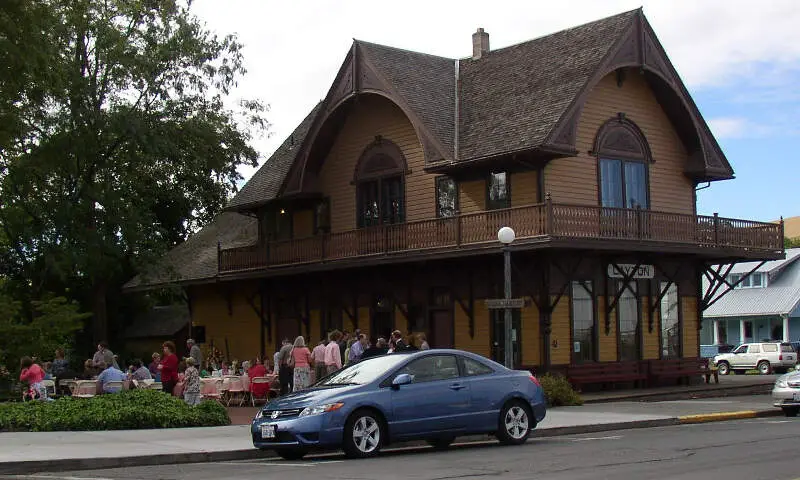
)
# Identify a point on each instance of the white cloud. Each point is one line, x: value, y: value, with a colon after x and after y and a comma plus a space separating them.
x: 728, y: 127
x: 293, y: 49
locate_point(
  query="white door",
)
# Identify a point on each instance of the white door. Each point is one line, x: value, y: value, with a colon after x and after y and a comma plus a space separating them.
x: 753, y: 352
x: 739, y: 358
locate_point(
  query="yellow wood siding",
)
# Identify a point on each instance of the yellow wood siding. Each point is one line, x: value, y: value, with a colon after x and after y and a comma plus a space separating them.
x: 472, y: 196
x: 363, y: 320
x: 303, y: 223
x: 608, y: 343
x: 531, y: 349
x: 560, y: 341
x: 690, y: 347
x: 574, y: 180
x: 524, y: 188
x: 480, y: 342
x: 314, y: 324
x: 370, y: 117
x: 242, y: 329
x: 649, y: 339
x: 400, y: 322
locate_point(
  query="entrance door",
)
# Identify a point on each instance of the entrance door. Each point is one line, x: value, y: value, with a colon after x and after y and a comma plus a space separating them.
x: 441, y: 329
x: 382, y: 325
x: 499, y: 336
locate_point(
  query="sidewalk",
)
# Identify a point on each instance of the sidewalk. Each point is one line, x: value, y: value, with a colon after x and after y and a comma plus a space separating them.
x: 44, y: 451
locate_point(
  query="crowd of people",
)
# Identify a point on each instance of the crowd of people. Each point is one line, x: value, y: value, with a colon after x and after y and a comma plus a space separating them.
x: 296, y: 365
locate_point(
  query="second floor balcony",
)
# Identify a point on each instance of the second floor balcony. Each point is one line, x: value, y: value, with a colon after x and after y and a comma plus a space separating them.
x: 533, y: 224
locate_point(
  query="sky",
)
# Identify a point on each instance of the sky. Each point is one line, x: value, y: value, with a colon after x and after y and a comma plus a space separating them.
x: 739, y: 59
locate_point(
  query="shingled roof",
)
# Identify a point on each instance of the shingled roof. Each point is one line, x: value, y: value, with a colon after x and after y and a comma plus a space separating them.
x: 512, y: 97
x: 196, y: 258
x: 265, y: 184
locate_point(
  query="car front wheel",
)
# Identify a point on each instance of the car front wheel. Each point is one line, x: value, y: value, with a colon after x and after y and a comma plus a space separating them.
x: 723, y: 368
x: 790, y: 411
x: 363, y: 434
x: 515, y: 423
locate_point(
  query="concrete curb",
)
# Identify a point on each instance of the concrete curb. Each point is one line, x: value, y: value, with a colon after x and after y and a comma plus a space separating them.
x: 29, y: 467
x: 724, y: 416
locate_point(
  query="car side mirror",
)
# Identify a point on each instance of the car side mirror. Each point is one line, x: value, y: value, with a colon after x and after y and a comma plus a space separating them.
x: 402, y: 379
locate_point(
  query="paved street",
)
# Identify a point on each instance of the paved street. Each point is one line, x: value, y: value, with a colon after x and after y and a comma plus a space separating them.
x: 749, y: 449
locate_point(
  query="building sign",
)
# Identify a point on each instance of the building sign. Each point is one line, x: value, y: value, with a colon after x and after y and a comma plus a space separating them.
x: 623, y: 270
x: 499, y: 303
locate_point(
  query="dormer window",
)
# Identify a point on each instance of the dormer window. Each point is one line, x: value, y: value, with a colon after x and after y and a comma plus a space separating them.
x: 755, y: 280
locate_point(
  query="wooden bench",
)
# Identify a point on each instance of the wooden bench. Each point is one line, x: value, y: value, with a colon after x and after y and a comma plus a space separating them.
x: 680, y: 368
x: 605, y: 373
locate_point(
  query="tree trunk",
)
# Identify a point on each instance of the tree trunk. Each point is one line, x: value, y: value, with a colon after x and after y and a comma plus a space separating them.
x: 99, y: 313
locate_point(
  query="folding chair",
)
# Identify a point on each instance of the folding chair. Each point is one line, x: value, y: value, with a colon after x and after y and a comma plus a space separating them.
x: 85, y: 389
x: 210, y: 389
x: 235, y: 386
x: 49, y: 387
x: 267, y: 390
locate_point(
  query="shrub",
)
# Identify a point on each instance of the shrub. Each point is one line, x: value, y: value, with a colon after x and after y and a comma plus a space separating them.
x: 559, y: 392
x: 135, y: 409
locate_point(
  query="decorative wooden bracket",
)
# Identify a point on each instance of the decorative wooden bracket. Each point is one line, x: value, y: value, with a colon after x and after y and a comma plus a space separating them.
x: 716, y: 280
x: 307, y: 317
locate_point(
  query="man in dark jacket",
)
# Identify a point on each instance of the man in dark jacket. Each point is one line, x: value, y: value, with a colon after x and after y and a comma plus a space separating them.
x: 375, y: 350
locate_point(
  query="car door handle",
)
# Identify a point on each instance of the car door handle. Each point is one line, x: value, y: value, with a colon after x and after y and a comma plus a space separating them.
x: 457, y: 386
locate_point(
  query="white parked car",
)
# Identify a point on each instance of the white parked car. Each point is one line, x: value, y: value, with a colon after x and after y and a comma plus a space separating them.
x: 786, y: 393
x: 766, y: 357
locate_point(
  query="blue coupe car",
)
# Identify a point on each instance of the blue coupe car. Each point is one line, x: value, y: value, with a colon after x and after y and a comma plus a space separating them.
x: 434, y: 395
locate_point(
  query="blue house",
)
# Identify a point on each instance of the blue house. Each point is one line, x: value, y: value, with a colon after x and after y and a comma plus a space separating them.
x: 763, y: 305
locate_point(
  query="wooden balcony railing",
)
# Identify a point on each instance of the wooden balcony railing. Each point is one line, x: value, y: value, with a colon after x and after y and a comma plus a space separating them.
x: 545, y: 219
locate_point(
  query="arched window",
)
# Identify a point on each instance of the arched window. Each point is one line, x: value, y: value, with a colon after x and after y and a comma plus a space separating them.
x: 380, y: 189
x: 623, y: 159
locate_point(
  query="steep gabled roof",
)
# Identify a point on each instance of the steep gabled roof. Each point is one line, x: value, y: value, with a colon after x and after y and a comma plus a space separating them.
x: 426, y: 83
x: 265, y: 184
x: 512, y: 98
x: 196, y: 258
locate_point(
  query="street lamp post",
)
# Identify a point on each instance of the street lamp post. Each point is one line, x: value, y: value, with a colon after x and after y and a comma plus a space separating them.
x: 506, y: 235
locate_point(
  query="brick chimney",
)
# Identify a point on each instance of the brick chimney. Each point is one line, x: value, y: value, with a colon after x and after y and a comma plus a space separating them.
x: 480, y: 44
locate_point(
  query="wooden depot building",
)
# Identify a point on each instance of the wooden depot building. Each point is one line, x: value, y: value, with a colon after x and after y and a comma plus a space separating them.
x: 381, y: 210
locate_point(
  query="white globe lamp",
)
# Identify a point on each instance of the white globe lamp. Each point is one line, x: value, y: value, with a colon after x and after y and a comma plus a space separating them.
x: 506, y: 235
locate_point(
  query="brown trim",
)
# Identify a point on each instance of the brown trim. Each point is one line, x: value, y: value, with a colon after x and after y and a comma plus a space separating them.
x: 383, y: 148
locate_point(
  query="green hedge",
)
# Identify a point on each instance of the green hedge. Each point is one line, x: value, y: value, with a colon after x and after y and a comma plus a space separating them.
x: 558, y: 391
x: 130, y: 410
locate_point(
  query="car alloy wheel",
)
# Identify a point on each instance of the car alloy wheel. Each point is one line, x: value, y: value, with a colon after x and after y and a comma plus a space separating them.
x: 515, y: 423
x: 723, y: 368
x: 764, y: 368
x: 364, y: 434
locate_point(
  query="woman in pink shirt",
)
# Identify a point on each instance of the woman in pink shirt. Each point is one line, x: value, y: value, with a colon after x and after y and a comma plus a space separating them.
x: 302, y: 364
x: 32, y: 374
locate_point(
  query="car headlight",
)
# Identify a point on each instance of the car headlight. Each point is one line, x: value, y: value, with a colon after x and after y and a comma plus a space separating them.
x: 318, y: 409
x: 781, y: 384
x: 259, y: 414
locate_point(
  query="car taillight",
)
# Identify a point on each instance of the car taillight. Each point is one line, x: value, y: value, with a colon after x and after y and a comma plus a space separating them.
x: 780, y: 357
x: 535, y: 380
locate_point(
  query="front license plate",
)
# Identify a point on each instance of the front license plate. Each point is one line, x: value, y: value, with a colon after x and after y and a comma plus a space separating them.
x: 267, y: 431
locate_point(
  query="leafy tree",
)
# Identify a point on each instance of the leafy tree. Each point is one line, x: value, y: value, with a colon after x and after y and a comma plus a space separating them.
x: 117, y: 140
x: 54, y: 324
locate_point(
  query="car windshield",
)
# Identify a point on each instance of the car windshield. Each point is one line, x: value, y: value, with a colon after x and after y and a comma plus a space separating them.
x: 362, y: 372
